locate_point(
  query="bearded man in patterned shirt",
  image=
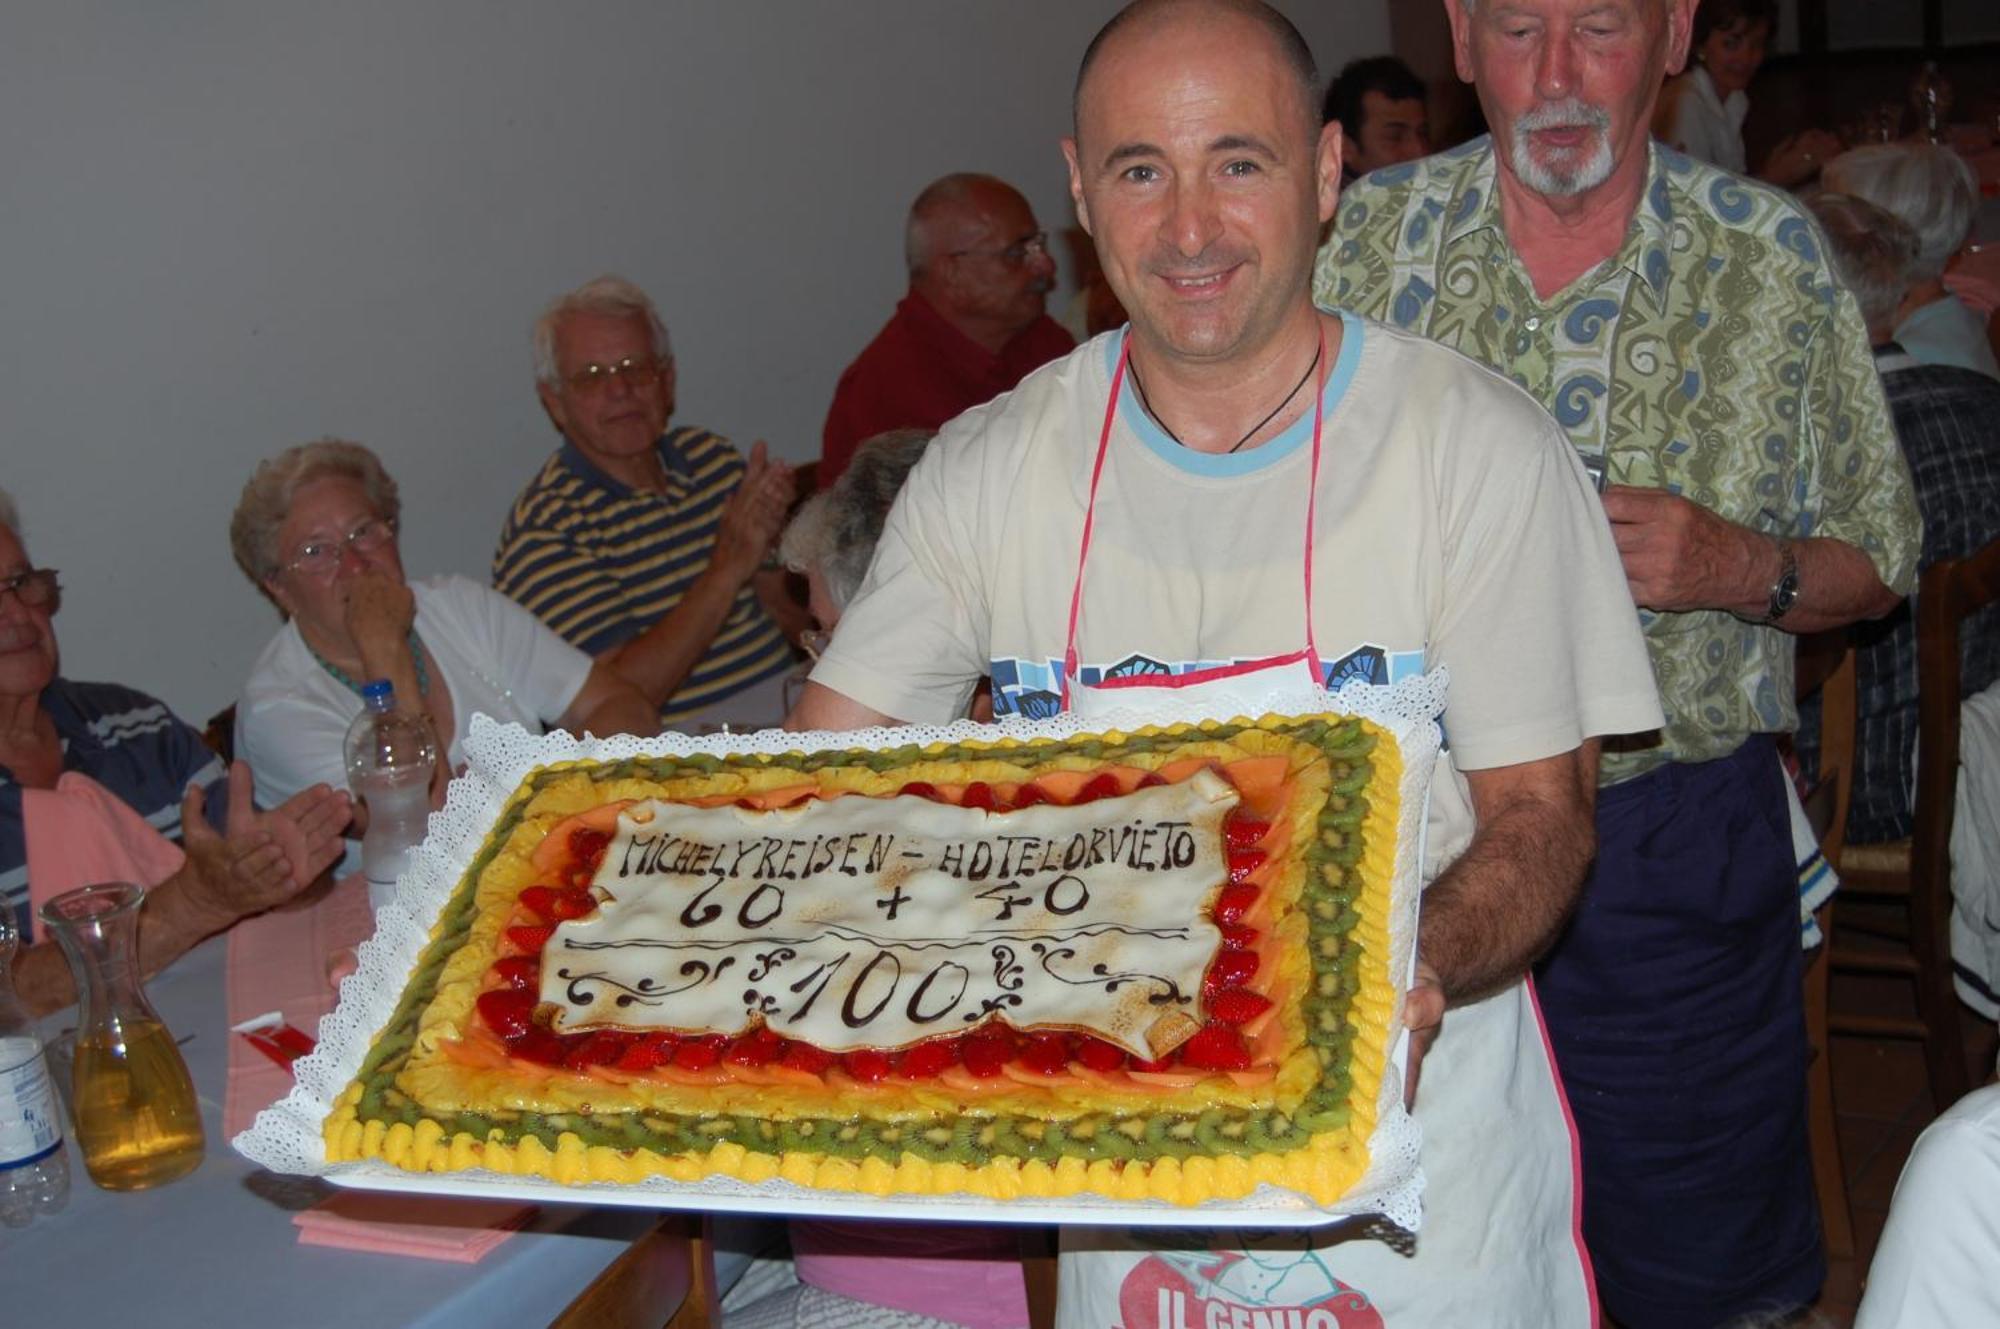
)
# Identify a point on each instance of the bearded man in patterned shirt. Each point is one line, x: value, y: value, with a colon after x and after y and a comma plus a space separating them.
x: 1684, y: 327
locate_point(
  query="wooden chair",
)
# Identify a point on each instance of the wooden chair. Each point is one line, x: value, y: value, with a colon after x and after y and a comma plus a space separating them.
x: 1917, y: 872
x: 664, y: 1280
x: 1826, y: 808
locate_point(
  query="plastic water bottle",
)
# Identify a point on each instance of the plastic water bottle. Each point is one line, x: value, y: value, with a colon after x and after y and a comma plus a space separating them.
x: 390, y: 758
x: 34, y: 1171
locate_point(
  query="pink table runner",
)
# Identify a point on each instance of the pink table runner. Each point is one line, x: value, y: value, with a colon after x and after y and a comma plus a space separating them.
x: 282, y: 961
x: 279, y: 962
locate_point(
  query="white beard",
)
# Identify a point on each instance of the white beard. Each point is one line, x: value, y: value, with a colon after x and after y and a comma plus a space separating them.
x: 1576, y: 172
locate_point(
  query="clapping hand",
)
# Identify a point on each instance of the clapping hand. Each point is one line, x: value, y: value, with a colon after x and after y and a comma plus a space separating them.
x: 264, y: 858
x: 755, y: 513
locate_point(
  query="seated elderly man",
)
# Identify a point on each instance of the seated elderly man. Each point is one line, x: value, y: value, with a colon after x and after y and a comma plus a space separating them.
x: 1933, y: 192
x: 643, y: 545
x: 95, y: 778
x: 315, y: 531
x: 971, y: 326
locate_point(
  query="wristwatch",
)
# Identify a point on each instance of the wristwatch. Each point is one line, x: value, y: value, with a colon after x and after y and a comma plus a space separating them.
x: 1785, y: 590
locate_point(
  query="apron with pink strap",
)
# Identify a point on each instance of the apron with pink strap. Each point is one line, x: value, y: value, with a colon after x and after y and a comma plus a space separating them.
x: 1499, y: 1153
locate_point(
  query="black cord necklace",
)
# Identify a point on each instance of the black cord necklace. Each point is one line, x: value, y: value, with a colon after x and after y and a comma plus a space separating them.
x: 1252, y: 431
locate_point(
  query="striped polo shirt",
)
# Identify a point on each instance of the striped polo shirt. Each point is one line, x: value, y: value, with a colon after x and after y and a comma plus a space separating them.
x: 131, y: 744
x: 601, y: 562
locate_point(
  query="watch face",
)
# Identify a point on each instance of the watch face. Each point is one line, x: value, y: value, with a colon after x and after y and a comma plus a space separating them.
x: 1786, y: 592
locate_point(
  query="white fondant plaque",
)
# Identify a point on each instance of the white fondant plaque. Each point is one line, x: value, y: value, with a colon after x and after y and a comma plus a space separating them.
x: 861, y: 922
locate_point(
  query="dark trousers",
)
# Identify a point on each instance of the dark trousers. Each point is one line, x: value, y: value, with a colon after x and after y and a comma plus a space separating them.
x: 1674, y: 1005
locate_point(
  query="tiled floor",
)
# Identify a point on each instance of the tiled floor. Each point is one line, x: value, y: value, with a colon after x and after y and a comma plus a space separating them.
x: 1882, y: 1102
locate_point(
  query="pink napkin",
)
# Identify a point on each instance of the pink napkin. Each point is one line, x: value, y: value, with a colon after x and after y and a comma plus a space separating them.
x: 431, y: 1227
x: 80, y: 833
x: 280, y: 961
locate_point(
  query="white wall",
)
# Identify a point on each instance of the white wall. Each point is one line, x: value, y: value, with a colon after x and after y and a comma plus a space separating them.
x: 230, y: 227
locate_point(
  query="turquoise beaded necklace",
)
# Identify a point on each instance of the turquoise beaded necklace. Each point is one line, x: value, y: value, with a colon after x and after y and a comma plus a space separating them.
x: 416, y: 658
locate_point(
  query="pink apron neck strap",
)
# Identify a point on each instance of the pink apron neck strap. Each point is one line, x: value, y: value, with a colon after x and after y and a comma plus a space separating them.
x: 1090, y: 517
x: 1312, y: 507
x: 1070, y: 663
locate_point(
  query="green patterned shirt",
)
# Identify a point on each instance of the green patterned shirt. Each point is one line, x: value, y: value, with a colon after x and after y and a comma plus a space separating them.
x: 1714, y: 356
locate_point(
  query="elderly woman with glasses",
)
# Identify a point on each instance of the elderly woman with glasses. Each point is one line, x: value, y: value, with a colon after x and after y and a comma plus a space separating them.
x: 96, y: 779
x: 315, y: 530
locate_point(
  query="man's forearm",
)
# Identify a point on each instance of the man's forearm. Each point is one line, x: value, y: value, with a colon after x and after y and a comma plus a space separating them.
x: 659, y: 659
x: 1681, y: 556
x: 41, y: 979
x: 170, y: 922
x: 820, y: 707
x: 174, y: 919
x: 1837, y: 584
x: 1501, y: 905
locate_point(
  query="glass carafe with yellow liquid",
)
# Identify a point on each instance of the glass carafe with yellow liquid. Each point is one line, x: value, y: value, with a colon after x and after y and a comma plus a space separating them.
x: 137, y: 1120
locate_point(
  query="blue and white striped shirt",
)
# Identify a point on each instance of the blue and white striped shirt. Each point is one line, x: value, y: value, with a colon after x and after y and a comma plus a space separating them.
x: 132, y: 745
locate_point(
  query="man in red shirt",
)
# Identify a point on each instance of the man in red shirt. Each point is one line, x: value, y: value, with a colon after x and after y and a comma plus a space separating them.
x: 970, y: 328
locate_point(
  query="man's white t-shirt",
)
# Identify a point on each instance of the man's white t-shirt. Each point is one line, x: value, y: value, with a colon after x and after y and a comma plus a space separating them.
x: 495, y: 657
x: 1453, y: 526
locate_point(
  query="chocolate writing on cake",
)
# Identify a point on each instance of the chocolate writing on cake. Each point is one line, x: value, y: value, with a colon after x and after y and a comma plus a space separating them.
x: 878, y: 922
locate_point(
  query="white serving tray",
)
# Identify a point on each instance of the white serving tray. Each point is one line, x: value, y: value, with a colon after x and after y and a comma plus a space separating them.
x: 286, y: 1137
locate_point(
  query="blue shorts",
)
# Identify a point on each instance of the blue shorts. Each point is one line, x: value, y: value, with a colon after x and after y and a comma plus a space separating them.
x: 1674, y: 1005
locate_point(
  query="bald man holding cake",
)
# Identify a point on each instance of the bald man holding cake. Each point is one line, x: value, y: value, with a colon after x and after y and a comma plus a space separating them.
x: 1240, y: 492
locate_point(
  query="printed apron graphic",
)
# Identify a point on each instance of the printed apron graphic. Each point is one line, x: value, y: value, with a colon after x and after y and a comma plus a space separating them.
x: 1259, y: 1289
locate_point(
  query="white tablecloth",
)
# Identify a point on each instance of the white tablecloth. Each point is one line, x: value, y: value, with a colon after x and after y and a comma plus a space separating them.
x: 218, y: 1247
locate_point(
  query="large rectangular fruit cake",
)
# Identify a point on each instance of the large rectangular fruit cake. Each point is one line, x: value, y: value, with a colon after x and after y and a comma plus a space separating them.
x: 1150, y: 966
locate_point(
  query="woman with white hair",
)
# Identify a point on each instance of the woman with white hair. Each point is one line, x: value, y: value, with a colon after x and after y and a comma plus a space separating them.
x: 831, y: 538
x: 1935, y: 194
x: 315, y: 530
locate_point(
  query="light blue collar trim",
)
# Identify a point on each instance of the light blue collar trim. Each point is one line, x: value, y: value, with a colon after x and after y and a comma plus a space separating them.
x: 1227, y: 464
